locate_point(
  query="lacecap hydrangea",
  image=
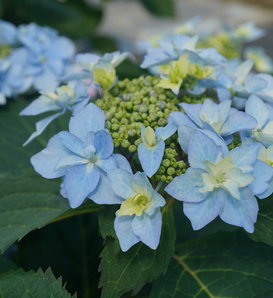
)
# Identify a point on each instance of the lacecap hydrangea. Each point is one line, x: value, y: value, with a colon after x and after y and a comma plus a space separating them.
x: 190, y: 131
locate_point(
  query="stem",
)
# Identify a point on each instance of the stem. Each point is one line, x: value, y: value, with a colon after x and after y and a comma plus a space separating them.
x: 159, y: 186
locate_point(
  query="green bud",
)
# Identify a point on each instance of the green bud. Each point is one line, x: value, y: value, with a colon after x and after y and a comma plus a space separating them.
x: 171, y: 171
x: 132, y: 148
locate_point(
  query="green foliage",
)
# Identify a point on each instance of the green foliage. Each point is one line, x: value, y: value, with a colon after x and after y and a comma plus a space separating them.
x: 19, y: 283
x: 264, y: 226
x: 6, y: 265
x: 74, y: 18
x: 161, y: 8
x: 123, y: 272
x: 220, y: 265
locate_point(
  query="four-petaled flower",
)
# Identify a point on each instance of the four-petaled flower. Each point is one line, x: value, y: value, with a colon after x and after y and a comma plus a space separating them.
x: 139, y: 217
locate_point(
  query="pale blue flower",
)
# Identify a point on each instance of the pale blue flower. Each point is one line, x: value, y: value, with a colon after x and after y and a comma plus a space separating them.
x: 139, y: 218
x: 8, y: 33
x: 151, y: 150
x: 247, y: 32
x: 47, y: 55
x: 262, y: 61
x: 262, y: 112
x: 221, y: 183
x: 72, y: 97
x: 83, y: 157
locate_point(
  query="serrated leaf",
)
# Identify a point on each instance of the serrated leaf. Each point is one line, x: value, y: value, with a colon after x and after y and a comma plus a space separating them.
x: 161, y: 8
x: 27, y: 201
x: 264, y: 227
x: 19, y: 283
x: 123, y: 272
x: 221, y: 265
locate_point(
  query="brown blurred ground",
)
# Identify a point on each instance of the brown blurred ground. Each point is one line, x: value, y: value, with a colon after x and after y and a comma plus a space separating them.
x: 265, y: 3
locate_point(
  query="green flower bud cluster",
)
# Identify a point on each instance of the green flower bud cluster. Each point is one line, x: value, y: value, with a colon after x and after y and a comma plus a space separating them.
x: 171, y: 166
x: 133, y: 103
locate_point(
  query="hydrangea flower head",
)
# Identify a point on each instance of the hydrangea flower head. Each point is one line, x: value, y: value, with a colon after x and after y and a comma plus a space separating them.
x: 82, y: 156
x: 263, y: 131
x: 262, y: 62
x: 220, y: 183
x: 72, y: 97
x: 139, y: 217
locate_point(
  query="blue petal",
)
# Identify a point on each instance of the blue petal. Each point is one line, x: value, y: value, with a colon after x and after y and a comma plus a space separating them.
x: 107, y: 164
x: 241, y: 213
x: 148, y: 228
x: 202, y: 213
x: 122, y: 163
x: 150, y: 158
x: 186, y: 186
x: 193, y: 111
x: 124, y: 231
x: 121, y: 183
x: 263, y: 173
x: 103, y: 193
x: 245, y: 156
x: 209, y: 109
x: 71, y: 142
x: 45, y: 161
x: 69, y: 161
x: 257, y: 109
x: 167, y: 131
x: 79, y: 182
x: 103, y: 144
x: 181, y: 119
x: 40, y: 105
x: 184, y: 135
x: 237, y: 121
x: 41, y: 126
x: 46, y: 81
x: 141, y: 183
x: 91, y: 118
x: 268, y: 191
x: 202, y: 148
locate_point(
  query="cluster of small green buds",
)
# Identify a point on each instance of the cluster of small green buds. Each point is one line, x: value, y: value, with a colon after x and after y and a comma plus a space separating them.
x: 236, y: 142
x: 171, y: 166
x: 133, y: 103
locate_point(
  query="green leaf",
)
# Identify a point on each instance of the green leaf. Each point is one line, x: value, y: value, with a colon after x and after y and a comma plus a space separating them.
x: 264, y: 227
x: 27, y: 201
x: 123, y: 272
x: 19, y: 283
x: 161, y: 8
x: 221, y: 265
x: 72, y: 18
x: 6, y: 265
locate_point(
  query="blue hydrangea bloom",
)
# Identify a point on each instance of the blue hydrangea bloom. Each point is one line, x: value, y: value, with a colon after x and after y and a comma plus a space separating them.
x: 151, y: 150
x: 247, y: 32
x: 8, y: 33
x: 139, y: 218
x: 262, y: 112
x: 262, y: 61
x: 12, y: 82
x: 72, y: 97
x: 221, y: 183
x: 46, y: 54
x: 82, y: 156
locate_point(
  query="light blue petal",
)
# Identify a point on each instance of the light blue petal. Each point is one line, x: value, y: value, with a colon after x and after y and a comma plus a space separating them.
x: 181, y: 119
x: 124, y: 232
x: 40, y: 105
x: 41, y: 126
x: 241, y: 213
x: 263, y: 173
x: 150, y: 158
x: 148, y: 228
x: 268, y: 192
x: 107, y: 164
x: 79, y: 182
x: 223, y: 94
x: 46, y: 82
x: 257, y: 109
x: 90, y: 118
x: 184, y: 135
x: 245, y: 156
x: 121, y: 183
x: 141, y: 183
x: 193, y: 111
x: 69, y: 161
x: 103, y: 193
x: 186, y: 186
x: 237, y: 121
x: 202, y: 213
x: 104, y: 144
x: 71, y: 142
x: 45, y: 161
x: 122, y: 163
x: 202, y: 148
x: 209, y: 110
x: 224, y: 110
x: 165, y: 132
